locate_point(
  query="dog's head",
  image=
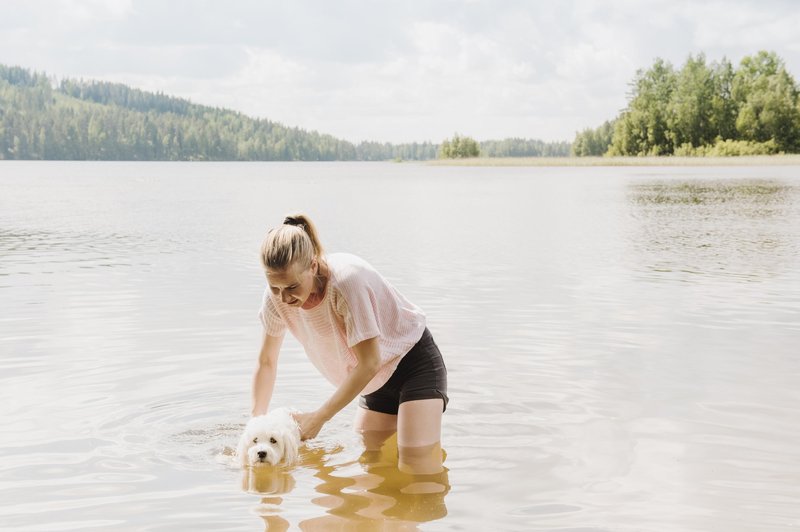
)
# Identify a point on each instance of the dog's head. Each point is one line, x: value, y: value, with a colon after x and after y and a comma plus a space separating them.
x: 271, y: 439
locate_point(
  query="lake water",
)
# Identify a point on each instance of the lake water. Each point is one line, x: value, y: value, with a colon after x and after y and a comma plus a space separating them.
x: 622, y: 346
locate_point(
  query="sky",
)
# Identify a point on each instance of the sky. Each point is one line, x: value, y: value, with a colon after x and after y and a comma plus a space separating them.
x: 394, y: 71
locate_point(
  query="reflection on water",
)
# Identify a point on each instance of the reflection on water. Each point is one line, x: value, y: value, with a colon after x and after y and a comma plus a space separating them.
x: 369, y: 493
x: 270, y: 483
x: 761, y: 193
x: 734, y: 228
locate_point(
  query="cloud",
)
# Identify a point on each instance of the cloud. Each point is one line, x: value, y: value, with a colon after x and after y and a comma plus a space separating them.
x: 394, y: 70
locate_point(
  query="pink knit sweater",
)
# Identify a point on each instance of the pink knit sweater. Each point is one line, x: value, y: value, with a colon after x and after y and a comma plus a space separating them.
x: 358, y: 304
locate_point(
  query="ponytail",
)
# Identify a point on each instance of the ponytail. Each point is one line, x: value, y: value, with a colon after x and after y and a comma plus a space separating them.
x: 294, y: 242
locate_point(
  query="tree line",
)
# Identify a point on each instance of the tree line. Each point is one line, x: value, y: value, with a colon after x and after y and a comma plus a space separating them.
x: 703, y: 109
x: 460, y: 147
x: 91, y: 120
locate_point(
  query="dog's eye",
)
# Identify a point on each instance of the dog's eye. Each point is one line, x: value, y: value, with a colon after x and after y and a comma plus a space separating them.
x: 255, y: 440
x: 273, y: 440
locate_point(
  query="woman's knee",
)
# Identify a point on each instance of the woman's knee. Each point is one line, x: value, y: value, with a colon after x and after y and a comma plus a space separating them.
x: 423, y: 460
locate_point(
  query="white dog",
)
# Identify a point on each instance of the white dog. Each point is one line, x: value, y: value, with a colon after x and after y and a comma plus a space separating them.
x: 270, y: 439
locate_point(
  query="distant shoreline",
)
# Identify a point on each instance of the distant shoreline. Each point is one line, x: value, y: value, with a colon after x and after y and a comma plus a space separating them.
x: 752, y: 160
x: 755, y: 160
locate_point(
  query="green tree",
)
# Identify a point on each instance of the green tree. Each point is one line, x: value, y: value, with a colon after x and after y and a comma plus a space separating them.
x: 459, y: 147
x: 767, y: 98
x: 593, y: 142
x: 704, y: 109
x: 642, y: 127
x: 723, y: 107
x: 519, y: 147
x: 690, y: 109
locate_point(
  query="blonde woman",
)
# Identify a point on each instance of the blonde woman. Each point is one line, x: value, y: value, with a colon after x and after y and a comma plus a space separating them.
x: 362, y: 335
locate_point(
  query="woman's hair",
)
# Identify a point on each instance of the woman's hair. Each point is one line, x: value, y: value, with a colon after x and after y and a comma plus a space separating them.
x: 294, y: 242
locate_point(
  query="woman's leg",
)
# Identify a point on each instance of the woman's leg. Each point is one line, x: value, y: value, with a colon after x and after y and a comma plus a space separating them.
x: 419, y: 434
x: 374, y: 427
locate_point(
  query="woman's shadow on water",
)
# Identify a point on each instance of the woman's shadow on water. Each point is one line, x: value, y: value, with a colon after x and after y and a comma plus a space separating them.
x: 377, y: 492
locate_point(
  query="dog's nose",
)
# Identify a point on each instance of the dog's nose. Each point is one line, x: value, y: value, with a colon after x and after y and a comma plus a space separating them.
x: 262, y: 454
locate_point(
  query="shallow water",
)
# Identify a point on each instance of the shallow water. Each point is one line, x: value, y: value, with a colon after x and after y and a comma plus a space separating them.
x: 621, y: 342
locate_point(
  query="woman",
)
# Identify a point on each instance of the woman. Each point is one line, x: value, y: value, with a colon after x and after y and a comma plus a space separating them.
x: 362, y: 335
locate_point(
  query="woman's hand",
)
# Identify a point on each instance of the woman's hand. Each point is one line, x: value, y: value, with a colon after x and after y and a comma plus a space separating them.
x: 368, y: 355
x: 310, y: 424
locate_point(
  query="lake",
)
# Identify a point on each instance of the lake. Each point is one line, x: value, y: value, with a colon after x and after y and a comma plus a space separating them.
x: 622, y: 345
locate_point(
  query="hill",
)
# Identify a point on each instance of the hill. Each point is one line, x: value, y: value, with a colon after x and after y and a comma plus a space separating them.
x: 94, y: 120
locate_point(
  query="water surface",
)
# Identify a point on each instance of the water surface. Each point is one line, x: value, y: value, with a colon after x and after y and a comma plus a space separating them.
x: 622, y: 345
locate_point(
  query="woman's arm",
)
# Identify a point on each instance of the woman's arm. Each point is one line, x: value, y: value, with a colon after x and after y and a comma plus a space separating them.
x: 368, y: 355
x: 264, y: 376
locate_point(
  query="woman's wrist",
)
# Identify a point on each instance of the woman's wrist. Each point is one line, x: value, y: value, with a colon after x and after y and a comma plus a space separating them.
x: 323, y: 414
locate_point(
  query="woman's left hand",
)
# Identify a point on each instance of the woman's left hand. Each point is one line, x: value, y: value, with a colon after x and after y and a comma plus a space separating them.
x: 310, y: 424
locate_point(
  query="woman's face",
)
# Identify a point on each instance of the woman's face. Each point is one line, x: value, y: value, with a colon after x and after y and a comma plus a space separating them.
x: 294, y: 285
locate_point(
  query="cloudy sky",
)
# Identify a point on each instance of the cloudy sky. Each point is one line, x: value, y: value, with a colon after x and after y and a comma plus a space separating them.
x: 397, y: 71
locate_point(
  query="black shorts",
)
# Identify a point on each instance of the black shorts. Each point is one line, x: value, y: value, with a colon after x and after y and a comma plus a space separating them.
x: 419, y: 375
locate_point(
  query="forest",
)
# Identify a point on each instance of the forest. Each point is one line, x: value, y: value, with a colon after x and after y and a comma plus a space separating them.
x: 93, y: 120
x: 703, y: 109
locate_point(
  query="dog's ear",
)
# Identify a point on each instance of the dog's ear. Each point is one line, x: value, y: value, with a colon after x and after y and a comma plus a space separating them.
x: 241, y: 449
x: 291, y: 440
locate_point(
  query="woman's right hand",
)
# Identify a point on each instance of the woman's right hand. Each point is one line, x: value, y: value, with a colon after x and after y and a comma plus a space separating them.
x: 310, y: 423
